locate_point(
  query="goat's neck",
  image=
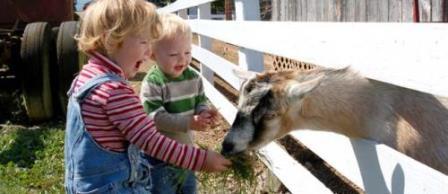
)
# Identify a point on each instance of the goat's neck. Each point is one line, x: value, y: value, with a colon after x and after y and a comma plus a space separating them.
x: 339, y: 104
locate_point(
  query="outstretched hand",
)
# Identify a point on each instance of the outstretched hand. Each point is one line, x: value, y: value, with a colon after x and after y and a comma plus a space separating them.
x: 215, y: 162
x: 204, y: 120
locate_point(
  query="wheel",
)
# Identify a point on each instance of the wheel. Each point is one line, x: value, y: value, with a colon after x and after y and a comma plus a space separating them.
x: 69, y: 60
x: 35, y: 55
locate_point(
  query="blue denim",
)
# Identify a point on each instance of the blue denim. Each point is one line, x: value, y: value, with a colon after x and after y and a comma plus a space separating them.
x: 168, y: 179
x: 89, y: 168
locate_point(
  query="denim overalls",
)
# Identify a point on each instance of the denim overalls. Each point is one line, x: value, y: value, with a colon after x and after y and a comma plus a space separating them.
x: 89, y: 168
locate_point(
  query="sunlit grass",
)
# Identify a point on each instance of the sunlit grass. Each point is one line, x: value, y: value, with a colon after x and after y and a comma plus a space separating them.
x: 31, y: 159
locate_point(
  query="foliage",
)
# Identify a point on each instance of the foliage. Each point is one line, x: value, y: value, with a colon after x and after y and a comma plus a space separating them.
x: 239, y: 178
x: 31, y: 159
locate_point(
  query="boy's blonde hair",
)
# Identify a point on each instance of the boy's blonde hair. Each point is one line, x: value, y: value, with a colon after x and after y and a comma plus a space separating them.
x: 106, y: 23
x: 173, y: 25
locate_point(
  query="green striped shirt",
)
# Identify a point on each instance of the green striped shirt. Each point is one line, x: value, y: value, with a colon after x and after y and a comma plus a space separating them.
x: 171, y: 102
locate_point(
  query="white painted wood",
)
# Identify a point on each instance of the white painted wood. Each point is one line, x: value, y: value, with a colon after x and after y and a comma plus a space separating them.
x: 224, y: 106
x: 183, y: 4
x: 219, y: 65
x: 374, y: 167
x: 250, y: 60
x: 204, y: 12
x: 292, y: 174
x: 246, y: 10
x: 405, y: 54
x: 213, y: 16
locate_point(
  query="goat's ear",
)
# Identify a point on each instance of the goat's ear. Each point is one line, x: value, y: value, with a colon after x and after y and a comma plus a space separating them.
x: 297, y: 90
x: 244, y: 74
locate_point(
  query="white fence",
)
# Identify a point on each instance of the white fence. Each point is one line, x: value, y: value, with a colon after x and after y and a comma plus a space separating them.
x: 405, y: 54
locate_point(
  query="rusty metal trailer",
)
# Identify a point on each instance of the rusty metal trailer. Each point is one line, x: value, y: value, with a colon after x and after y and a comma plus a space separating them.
x: 38, y: 53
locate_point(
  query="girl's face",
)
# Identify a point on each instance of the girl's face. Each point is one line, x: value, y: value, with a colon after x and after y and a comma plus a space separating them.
x: 173, y: 55
x: 133, y: 52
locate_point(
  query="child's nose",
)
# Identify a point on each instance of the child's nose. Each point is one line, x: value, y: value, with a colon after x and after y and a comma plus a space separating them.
x: 147, y: 53
x: 182, y: 58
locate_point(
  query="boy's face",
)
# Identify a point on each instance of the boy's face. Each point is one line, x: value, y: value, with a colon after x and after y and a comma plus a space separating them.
x: 133, y: 52
x: 173, y: 55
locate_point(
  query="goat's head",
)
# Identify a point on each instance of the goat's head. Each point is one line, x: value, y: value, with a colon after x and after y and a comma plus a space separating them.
x: 269, y: 104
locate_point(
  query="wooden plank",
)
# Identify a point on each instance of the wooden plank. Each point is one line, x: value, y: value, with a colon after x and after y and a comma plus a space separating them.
x: 326, y: 14
x: 295, y: 7
x: 425, y: 9
x: 311, y: 10
x: 319, y: 10
x: 374, y: 167
x: 407, y: 10
x: 183, y: 4
x: 348, y: 11
x: 298, y: 8
x: 383, y: 10
x: 388, y: 52
x: 373, y: 11
x: 204, y: 12
x: 247, y: 58
x: 292, y: 174
x: 395, y: 9
x: 303, y: 10
x: 225, y: 107
x: 219, y: 65
x: 361, y: 10
x: 437, y: 10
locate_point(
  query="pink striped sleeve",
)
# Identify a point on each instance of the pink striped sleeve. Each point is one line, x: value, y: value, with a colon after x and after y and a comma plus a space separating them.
x: 126, y: 114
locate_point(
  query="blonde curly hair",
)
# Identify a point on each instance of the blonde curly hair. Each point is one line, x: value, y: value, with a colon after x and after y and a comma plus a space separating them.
x: 106, y: 23
x: 173, y: 25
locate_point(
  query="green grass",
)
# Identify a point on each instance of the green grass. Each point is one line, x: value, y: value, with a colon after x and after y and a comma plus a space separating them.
x: 32, y: 159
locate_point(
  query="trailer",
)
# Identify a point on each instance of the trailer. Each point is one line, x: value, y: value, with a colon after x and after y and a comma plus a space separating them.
x: 38, y: 53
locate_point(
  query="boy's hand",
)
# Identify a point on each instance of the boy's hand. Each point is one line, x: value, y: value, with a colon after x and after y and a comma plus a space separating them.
x: 204, y: 120
x: 211, y: 116
x: 215, y: 162
x: 199, y: 123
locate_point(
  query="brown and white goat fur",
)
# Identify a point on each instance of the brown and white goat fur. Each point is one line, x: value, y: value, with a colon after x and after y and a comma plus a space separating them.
x: 340, y: 100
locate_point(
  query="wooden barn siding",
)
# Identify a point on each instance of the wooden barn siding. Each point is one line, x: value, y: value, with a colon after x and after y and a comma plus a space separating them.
x: 359, y: 10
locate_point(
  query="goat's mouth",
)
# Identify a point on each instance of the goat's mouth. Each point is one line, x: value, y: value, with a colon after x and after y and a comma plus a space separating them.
x: 230, y: 148
x: 230, y: 153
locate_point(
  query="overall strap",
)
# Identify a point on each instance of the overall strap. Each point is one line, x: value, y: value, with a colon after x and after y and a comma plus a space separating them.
x: 85, y: 89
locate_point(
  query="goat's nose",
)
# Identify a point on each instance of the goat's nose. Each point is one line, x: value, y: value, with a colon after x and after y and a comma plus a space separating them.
x: 227, y: 148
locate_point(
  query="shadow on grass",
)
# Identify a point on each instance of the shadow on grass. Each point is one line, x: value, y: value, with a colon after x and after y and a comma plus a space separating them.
x: 27, y: 142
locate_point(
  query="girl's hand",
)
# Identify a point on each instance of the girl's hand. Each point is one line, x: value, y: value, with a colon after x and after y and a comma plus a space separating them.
x: 215, y: 162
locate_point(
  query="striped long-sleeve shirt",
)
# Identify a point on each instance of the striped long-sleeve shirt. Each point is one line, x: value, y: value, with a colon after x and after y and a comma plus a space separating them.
x: 114, y: 116
x: 173, y: 101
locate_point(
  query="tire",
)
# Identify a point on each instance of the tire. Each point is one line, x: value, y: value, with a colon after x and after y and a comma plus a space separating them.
x: 69, y: 60
x: 35, y: 55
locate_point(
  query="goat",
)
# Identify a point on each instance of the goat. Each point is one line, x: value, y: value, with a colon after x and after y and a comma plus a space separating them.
x: 272, y: 104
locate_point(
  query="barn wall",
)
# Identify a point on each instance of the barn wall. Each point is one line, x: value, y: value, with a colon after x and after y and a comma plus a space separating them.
x: 360, y: 10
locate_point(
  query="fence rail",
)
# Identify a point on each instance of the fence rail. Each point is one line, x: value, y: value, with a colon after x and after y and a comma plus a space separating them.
x: 409, y: 55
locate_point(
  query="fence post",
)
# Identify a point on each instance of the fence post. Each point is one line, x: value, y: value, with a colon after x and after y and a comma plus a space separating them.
x: 204, y: 12
x: 249, y: 59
